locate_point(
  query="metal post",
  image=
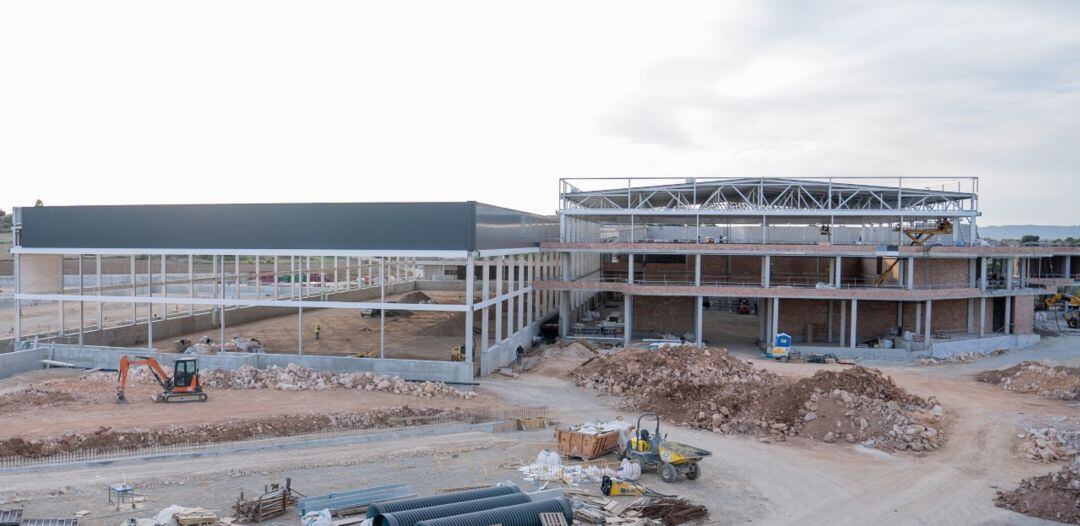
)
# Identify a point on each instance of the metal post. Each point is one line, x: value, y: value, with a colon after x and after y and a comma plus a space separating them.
x: 82, y: 306
x: 698, y: 303
x: 485, y: 289
x: 149, y: 305
x: 191, y: 283
x: 469, y: 291
x: 498, y: 304
x: 101, y: 304
x: 854, y: 319
x: 382, y: 311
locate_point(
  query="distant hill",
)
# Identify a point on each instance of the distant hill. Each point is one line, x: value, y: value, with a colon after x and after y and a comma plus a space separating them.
x: 1045, y: 232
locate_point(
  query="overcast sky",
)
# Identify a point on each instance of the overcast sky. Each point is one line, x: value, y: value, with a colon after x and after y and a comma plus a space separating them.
x: 262, y: 101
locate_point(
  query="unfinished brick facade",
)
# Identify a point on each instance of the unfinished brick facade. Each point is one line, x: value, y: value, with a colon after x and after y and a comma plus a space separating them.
x: 658, y: 314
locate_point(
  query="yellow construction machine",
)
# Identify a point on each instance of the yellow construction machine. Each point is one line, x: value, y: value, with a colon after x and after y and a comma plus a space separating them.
x: 918, y: 237
x: 1068, y: 301
x: 671, y: 459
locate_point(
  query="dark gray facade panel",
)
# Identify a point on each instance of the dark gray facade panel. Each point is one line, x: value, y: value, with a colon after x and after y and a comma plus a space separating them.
x: 498, y: 227
x: 305, y: 226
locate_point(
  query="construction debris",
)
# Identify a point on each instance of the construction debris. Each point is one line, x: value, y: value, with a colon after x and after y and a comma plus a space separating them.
x: 296, y: 378
x: 1057, y: 382
x: 1045, y: 445
x: 274, y: 501
x: 590, y: 440
x: 550, y: 468
x: 708, y: 388
x: 642, y: 511
x: 1053, y: 496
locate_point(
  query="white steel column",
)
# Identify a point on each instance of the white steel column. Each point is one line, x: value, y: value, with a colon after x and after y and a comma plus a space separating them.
x: 149, y: 305
x: 63, y: 322
x: 499, y: 304
x: 470, y: 288
x: 191, y: 283
x: 698, y: 302
x: 382, y: 312
x: 484, y: 294
x: 82, y: 306
x: 854, y: 323
x: 101, y: 304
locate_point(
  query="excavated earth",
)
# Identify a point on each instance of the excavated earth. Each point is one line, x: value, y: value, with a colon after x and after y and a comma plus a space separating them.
x: 1054, y: 496
x: 708, y: 388
x: 108, y: 439
x: 1048, y: 381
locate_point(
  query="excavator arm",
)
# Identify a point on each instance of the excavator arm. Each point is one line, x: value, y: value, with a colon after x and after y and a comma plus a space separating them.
x: 159, y: 374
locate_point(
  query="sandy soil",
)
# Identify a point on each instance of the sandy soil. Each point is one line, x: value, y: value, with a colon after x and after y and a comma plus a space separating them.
x: 745, y: 481
x: 94, y: 405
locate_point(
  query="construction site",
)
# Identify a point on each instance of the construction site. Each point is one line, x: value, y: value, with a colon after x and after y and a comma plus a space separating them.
x: 691, y: 351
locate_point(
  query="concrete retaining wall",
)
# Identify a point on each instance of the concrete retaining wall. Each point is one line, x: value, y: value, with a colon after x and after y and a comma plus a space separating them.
x: 108, y: 358
x: 13, y: 363
x: 941, y: 349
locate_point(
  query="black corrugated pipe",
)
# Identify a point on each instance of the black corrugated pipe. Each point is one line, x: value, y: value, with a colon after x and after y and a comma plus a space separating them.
x: 439, y: 500
x: 517, y: 515
x: 411, y: 517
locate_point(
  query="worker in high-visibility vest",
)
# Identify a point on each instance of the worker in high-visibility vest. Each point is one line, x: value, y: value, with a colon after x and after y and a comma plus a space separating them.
x: 318, y: 329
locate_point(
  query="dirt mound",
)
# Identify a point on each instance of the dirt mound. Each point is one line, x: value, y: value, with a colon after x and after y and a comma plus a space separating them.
x: 711, y: 389
x: 415, y: 297
x: 296, y: 378
x: 1055, y: 496
x: 1047, y: 444
x: 560, y: 360
x: 32, y: 397
x: 1058, y: 381
x: 107, y: 439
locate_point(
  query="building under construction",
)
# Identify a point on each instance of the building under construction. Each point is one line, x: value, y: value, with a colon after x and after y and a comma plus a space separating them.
x: 871, y: 267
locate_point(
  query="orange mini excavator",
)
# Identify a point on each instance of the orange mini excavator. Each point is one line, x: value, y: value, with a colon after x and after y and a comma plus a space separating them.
x: 184, y: 386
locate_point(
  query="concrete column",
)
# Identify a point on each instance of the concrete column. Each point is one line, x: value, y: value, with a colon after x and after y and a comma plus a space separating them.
x: 60, y: 303
x: 134, y: 292
x: 564, y: 313
x: 836, y: 272
x: 470, y: 289
x: 843, y: 323
x: 628, y: 318
x: 766, y: 272
x: 221, y: 311
x: 150, y: 306
x: 854, y: 323
x: 909, y: 280
x: 164, y: 285
x: 970, y: 316
x: 300, y: 333
x: 630, y: 269
x: 18, y: 303
x: 1008, y: 314
x: 900, y: 316
x: 1009, y: 264
x: 698, y: 304
x: 499, y: 304
x: 277, y: 288
x: 1068, y: 267
x: 101, y: 304
x: 982, y: 275
x: 348, y: 273
x: 484, y: 295
x: 522, y: 285
x: 829, y: 330
x: 972, y: 282
x: 982, y: 317
x: 918, y: 317
x: 775, y: 329
x: 191, y: 282
x: 929, y: 308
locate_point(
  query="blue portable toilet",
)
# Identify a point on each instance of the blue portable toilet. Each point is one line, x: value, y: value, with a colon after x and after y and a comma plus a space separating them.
x: 781, y: 349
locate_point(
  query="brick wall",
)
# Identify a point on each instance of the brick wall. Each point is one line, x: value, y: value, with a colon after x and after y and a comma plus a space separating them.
x: 796, y: 313
x: 800, y: 270
x: 663, y: 314
x: 941, y: 272
x: 731, y: 268
x: 1024, y: 314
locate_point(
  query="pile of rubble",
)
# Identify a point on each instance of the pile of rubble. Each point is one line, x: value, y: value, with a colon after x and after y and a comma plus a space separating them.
x: 1047, y: 444
x: 1053, y: 496
x: 964, y: 357
x: 32, y: 397
x: 106, y: 439
x: 1033, y: 377
x: 708, y: 388
x: 296, y: 378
